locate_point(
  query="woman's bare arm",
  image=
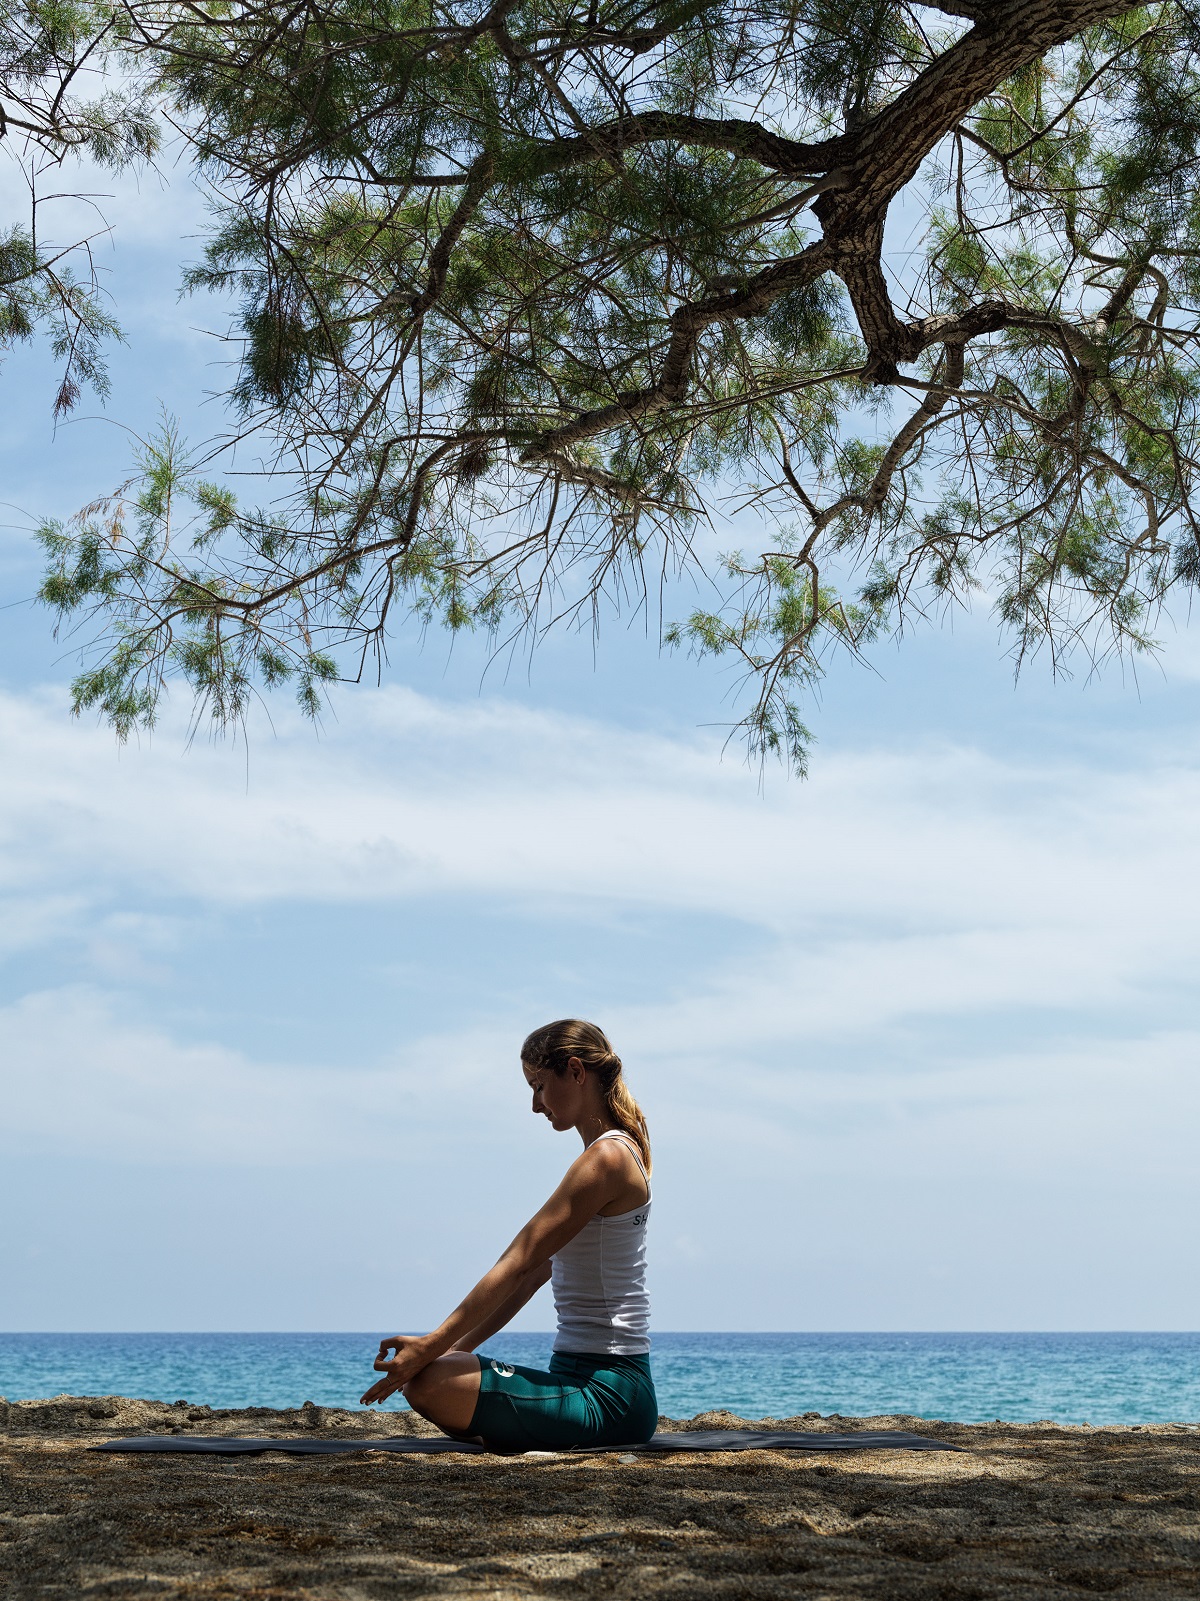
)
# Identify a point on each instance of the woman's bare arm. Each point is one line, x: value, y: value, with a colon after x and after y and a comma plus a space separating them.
x: 504, y: 1314
x: 591, y: 1182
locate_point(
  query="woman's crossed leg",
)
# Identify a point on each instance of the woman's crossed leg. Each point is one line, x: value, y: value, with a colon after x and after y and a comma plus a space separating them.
x: 447, y: 1391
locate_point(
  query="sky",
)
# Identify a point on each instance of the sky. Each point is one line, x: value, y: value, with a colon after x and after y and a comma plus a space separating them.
x: 916, y: 1037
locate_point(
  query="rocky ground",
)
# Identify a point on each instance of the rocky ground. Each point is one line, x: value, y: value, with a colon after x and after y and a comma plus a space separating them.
x: 1023, y: 1511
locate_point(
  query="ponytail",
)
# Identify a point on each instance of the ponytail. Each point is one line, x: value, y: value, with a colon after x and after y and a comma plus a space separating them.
x: 554, y: 1044
x: 627, y: 1114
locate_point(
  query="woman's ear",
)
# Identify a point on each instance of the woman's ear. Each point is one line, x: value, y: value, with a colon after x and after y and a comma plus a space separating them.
x: 576, y: 1069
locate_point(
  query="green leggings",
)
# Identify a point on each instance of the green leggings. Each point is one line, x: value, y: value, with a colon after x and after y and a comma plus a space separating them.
x: 583, y: 1400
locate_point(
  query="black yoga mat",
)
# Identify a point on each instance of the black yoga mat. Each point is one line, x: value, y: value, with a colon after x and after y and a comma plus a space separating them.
x: 427, y: 1445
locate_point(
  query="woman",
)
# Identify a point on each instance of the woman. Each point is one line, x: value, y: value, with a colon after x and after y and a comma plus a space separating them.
x: 590, y: 1240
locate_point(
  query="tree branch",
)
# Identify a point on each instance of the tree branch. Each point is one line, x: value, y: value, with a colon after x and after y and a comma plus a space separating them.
x: 792, y: 158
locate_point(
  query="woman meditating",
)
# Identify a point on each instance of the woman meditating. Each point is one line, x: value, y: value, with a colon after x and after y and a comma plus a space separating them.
x: 590, y: 1240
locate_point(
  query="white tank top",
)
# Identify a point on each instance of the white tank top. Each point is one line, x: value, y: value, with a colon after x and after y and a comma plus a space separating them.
x: 599, y: 1280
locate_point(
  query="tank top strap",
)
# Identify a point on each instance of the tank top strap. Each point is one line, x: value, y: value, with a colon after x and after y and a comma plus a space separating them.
x: 631, y: 1145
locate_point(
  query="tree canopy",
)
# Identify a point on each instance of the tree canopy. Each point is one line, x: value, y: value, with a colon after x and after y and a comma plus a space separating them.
x: 527, y: 289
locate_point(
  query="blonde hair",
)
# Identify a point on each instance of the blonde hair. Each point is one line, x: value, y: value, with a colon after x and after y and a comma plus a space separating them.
x: 553, y: 1045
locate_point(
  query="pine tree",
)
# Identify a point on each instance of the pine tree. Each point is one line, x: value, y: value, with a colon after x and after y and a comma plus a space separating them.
x: 527, y: 289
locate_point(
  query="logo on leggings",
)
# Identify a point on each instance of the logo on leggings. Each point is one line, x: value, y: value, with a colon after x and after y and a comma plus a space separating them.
x: 503, y: 1369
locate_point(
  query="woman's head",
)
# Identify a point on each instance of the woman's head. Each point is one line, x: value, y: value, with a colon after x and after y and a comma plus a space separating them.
x: 580, y: 1051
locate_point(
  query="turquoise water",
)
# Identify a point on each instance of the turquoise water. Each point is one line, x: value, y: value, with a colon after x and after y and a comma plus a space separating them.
x: 1071, y: 1378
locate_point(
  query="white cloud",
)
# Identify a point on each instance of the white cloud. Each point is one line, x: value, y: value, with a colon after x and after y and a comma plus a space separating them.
x: 79, y: 1076
x: 939, y: 881
x: 889, y: 894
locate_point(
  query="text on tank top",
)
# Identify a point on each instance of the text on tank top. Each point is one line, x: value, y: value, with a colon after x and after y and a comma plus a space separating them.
x: 599, y: 1280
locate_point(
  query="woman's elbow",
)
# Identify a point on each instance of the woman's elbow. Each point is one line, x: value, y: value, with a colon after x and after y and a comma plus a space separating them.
x: 535, y: 1274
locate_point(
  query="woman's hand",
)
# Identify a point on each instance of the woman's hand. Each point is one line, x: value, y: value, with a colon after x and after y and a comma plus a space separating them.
x: 412, y: 1354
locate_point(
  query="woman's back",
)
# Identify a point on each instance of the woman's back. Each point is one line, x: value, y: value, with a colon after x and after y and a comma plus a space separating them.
x: 599, y: 1279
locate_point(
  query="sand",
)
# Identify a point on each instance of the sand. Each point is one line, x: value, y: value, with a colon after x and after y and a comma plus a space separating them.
x: 1026, y: 1510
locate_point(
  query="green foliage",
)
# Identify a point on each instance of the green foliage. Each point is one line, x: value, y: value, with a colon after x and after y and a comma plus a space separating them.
x: 51, y: 51
x: 149, y: 559
x: 525, y: 287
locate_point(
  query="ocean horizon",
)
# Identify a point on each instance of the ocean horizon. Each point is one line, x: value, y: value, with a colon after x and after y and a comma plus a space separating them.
x: 1097, y: 1378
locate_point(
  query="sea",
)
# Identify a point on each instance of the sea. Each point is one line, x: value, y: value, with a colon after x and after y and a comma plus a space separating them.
x: 968, y: 1378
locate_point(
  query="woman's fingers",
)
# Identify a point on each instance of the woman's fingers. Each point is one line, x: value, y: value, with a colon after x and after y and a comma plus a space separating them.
x: 399, y: 1368
x: 380, y: 1391
x: 396, y: 1377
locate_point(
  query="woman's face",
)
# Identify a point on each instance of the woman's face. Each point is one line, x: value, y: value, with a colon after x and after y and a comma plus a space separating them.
x: 555, y: 1098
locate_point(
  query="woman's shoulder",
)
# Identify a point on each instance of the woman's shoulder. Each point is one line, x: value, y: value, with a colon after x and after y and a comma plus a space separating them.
x: 612, y: 1165
x: 603, y: 1152
x: 605, y: 1157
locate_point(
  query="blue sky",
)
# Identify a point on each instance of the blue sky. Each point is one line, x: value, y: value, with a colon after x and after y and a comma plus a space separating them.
x: 917, y: 1038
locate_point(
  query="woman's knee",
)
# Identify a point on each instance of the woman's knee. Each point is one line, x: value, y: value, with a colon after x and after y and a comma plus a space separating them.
x: 422, y: 1386
x: 446, y: 1391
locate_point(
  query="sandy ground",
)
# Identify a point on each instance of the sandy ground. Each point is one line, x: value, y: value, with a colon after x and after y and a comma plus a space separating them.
x: 1025, y: 1510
